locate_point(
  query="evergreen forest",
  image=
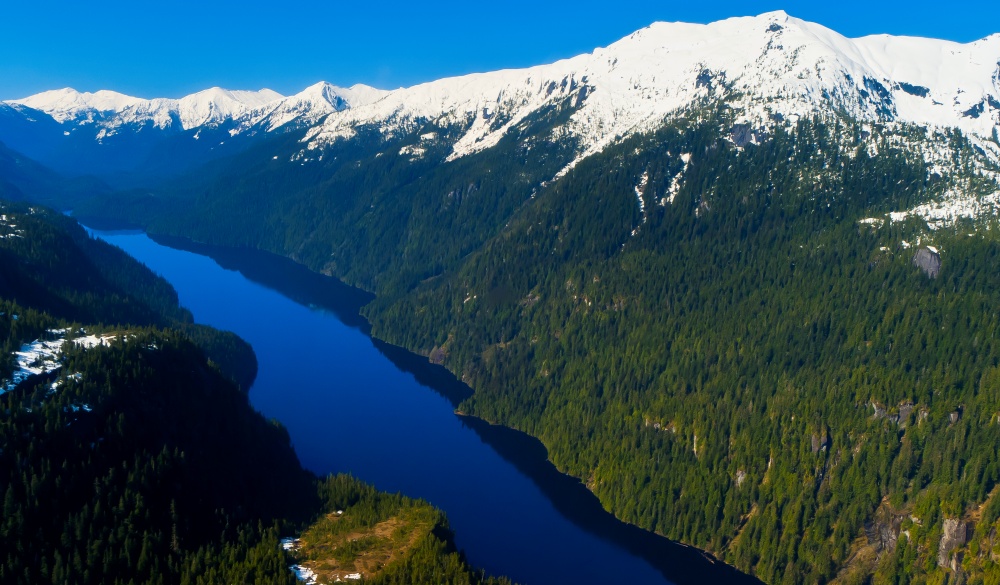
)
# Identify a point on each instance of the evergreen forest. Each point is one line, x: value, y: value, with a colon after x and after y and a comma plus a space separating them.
x: 730, y: 344
x: 136, y: 457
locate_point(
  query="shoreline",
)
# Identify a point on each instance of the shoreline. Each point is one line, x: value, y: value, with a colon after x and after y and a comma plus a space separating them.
x: 677, y: 561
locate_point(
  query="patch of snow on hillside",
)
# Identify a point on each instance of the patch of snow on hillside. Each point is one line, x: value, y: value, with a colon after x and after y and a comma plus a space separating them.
x: 37, y: 357
x: 412, y: 151
x: 675, y: 183
x: 8, y: 229
x: 90, y: 341
x: 42, y: 357
x: 640, y: 190
x: 304, y: 574
x: 956, y: 206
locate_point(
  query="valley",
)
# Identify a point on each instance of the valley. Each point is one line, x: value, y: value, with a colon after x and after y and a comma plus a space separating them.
x: 738, y: 278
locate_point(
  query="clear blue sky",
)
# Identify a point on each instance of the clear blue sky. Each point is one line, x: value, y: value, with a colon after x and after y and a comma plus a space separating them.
x: 173, y: 48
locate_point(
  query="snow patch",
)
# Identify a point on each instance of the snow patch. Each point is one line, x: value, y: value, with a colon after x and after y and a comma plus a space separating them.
x: 43, y: 357
x: 640, y: 190
x: 304, y: 574
x: 675, y: 183
x: 412, y: 151
x: 37, y: 357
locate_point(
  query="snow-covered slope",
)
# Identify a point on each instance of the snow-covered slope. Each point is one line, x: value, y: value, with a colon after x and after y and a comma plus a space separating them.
x: 310, y: 106
x: 211, y: 106
x: 769, y: 67
x: 113, y: 111
x: 68, y: 104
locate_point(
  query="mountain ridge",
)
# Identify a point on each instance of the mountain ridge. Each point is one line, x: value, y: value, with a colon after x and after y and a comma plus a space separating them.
x: 796, y: 67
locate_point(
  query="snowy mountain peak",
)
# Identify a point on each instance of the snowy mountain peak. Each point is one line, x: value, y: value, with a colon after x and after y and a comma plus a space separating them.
x: 310, y: 106
x: 339, y: 97
x: 68, y: 104
x: 114, y: 110
x: 768, y: 68
x: 219, y: 98
x: 216, y: 105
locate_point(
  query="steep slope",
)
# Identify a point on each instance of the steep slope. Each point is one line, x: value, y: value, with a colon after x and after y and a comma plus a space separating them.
x: 20, y: 175
x: 739, y: 360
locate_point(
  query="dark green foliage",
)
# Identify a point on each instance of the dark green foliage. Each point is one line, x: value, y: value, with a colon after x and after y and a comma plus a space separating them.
x: 50, y: 263
x: 139, y: 461
x: 745, y: 330
x: 135, y: 464
x: 365, y: 210
x: 750, y: 331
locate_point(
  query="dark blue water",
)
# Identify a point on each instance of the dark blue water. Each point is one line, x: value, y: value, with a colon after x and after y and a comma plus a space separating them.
x: 356, y: 405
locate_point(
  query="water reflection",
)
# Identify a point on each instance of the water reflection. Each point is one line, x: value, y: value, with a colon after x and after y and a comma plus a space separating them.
x: 567, y: 495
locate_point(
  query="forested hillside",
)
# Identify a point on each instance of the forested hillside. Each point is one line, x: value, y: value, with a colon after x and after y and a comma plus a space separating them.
x: 705, y: 332
x: 128, y: 456
x: 48, y: 262
x: 740, y: 362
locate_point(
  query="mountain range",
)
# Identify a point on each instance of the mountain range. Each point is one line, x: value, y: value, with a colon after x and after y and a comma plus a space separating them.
x: 773, y: 67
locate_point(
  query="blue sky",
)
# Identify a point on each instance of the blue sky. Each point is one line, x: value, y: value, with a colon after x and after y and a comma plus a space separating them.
x: 172, y: 49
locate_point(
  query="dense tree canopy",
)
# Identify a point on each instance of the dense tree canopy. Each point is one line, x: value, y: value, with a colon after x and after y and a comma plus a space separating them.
x: 706, y: 333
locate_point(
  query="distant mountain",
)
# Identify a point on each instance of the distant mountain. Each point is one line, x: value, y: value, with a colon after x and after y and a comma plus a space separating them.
x: 109, y: 109
x: 24, y: 178
x: 134, y: 141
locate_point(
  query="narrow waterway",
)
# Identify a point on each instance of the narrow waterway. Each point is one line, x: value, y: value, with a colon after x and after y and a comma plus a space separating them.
x: 353, y: 404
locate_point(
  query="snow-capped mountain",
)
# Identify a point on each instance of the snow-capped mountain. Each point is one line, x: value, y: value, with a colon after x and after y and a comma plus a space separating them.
x: 112, y: 112
x: 67, y: 104
x: 209, y: 107
x: 107, y: 133
x: 309, y: 106
x: 770, y: 67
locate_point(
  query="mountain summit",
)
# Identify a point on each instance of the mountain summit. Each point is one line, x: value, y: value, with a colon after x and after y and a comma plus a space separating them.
x: 770, y: 67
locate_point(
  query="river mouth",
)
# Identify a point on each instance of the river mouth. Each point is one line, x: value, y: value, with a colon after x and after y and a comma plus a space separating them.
x: 355, y: 404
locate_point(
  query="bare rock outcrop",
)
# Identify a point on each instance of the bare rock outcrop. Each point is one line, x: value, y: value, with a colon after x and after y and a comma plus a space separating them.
x: 953, y: 536
x: 929, y: 261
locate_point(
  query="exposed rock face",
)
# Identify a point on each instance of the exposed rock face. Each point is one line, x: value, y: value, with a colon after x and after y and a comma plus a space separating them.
x: 928, y: 261
x: 820, y: 441
x: 952, y: 537
x: 883, y: 529
x: 744, y: 134
x: 904, y: 414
